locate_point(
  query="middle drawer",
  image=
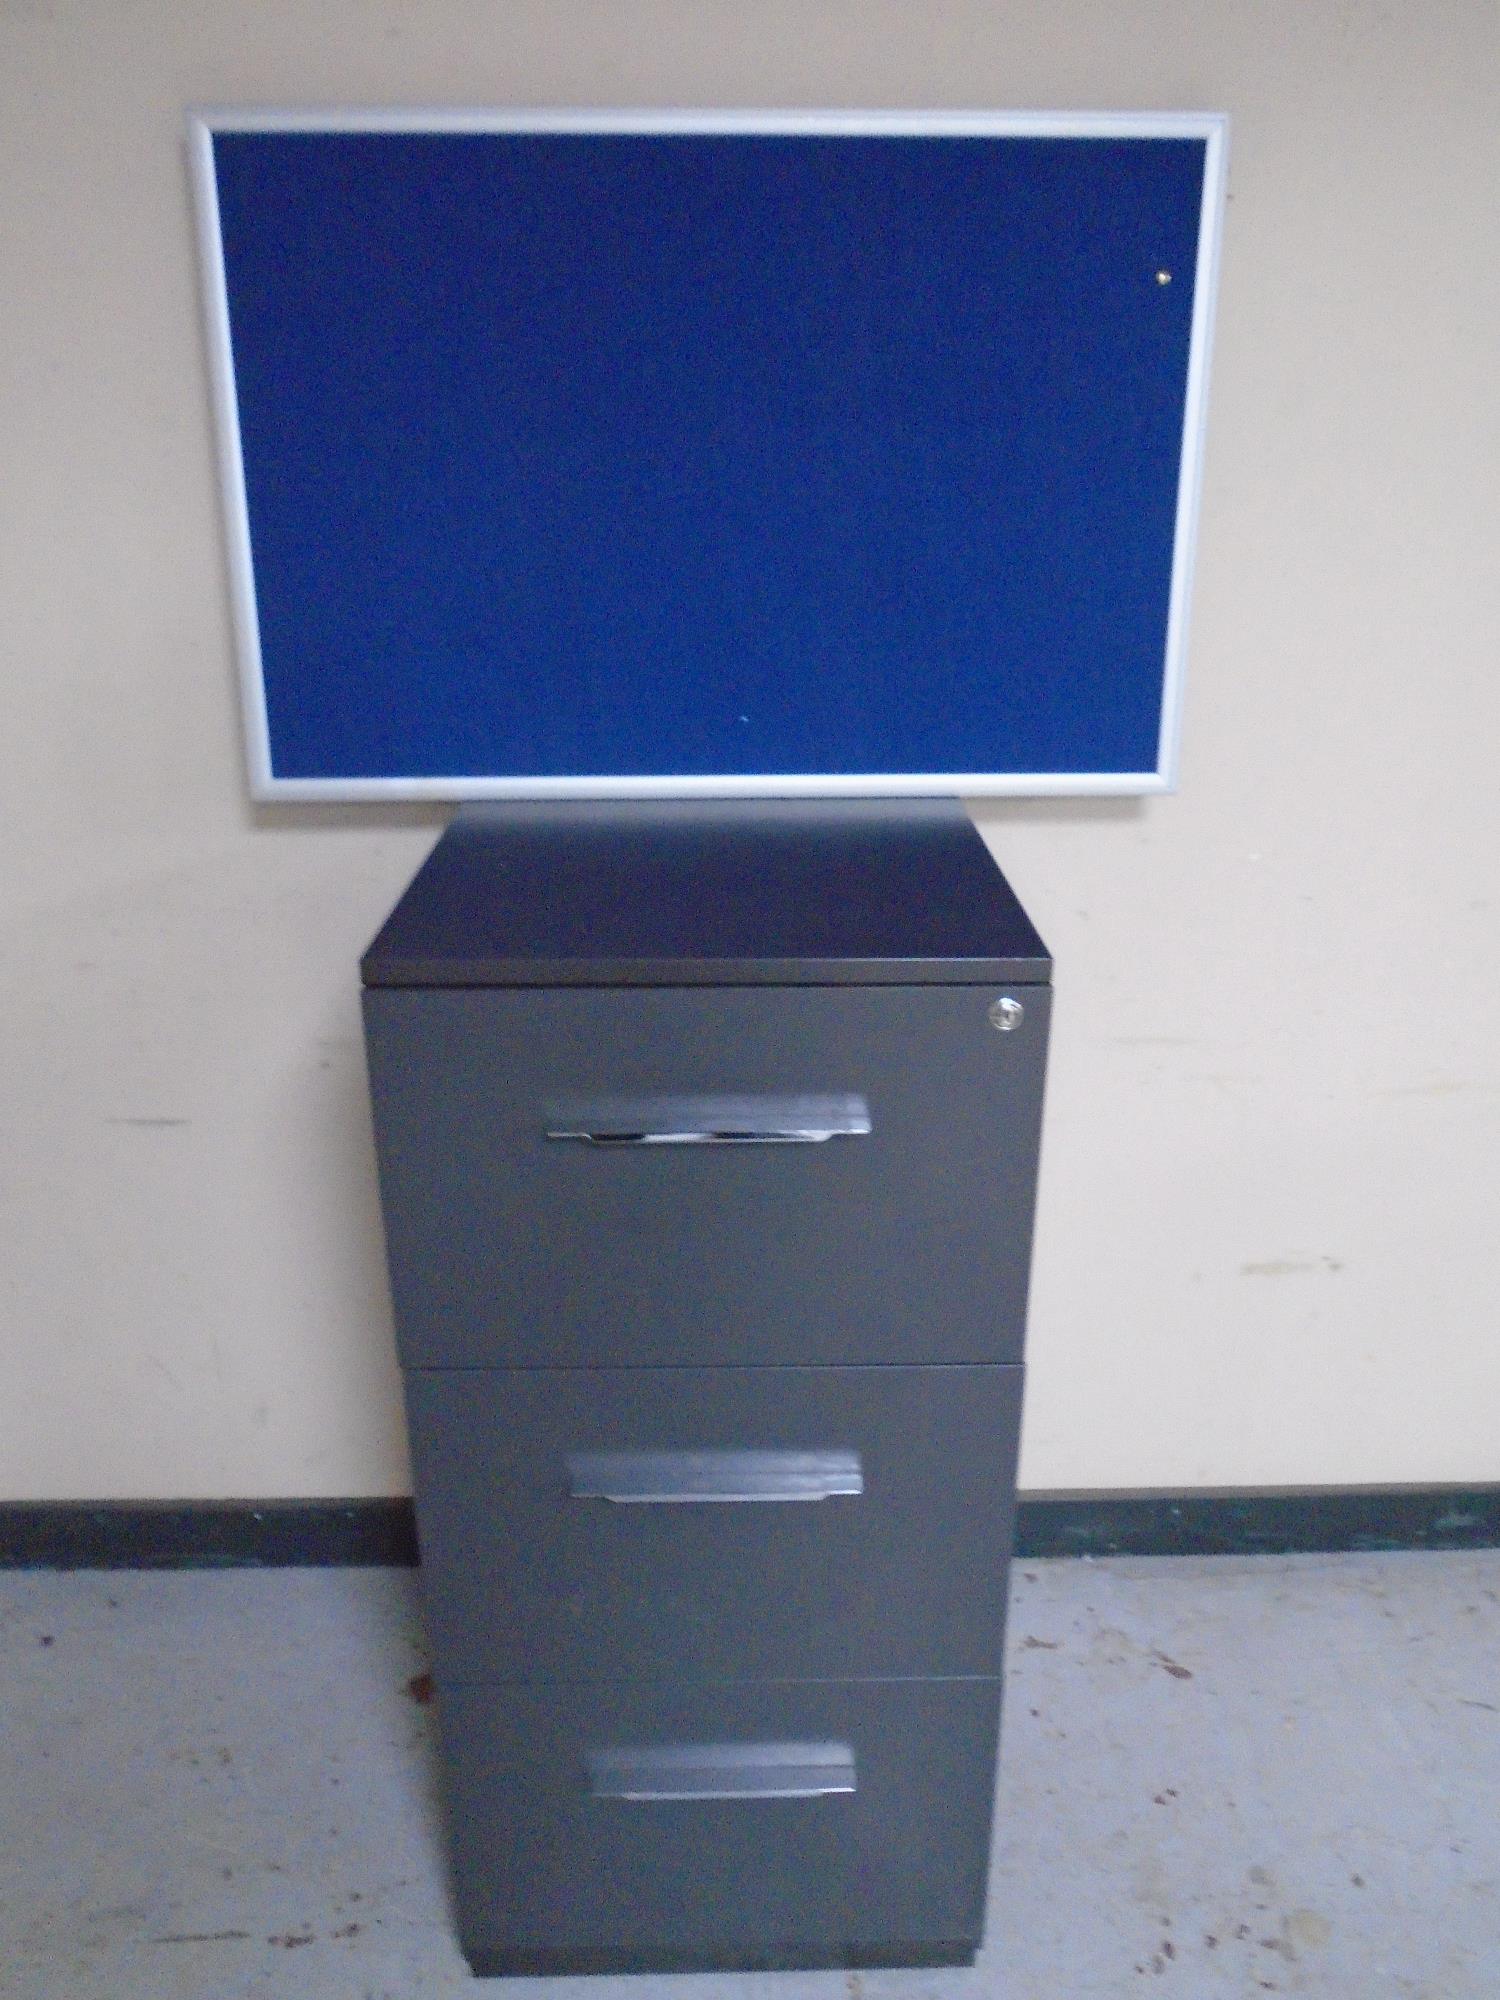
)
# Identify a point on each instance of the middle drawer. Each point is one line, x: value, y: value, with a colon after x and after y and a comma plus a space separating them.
x: 722, y: 1523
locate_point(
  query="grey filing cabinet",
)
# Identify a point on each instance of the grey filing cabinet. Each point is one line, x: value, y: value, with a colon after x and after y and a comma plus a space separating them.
x: 708, y: 1138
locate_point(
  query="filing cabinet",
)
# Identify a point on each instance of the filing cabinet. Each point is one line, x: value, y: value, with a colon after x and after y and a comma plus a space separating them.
x: 707, y: 1135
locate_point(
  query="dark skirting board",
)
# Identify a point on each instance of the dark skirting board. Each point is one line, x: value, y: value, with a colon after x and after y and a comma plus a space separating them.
x: 1328, y: 1520
x: 205, y: 1534
x: 82, y: 1534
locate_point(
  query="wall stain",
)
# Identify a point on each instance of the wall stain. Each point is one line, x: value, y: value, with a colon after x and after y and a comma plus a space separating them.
x: 1293, y: 1267
x: 1151, y: 1041
x: 1443, y: 1086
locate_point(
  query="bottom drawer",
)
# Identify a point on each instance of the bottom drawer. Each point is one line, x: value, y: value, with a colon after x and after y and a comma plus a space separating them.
x: 644, y: 1827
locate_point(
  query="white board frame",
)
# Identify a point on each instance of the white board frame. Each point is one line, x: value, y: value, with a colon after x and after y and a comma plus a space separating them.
x: 265, y: 786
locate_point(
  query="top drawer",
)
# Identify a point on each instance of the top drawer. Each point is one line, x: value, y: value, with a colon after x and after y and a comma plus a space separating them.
x: 738, y: 1175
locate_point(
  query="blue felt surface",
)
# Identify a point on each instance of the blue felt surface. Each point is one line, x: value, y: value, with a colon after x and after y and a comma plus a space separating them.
x: 614, y: 454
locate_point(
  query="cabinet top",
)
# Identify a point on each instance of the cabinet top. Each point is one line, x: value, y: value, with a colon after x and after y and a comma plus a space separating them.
x: 824, y: 892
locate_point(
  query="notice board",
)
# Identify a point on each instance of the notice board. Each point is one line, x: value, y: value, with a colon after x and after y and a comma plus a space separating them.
x: 586, y: 453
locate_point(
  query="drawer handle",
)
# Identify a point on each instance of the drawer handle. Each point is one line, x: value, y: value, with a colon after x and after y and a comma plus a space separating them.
x: 722, y: 1771
x: 708, y: 1121
x: 665, y: 1478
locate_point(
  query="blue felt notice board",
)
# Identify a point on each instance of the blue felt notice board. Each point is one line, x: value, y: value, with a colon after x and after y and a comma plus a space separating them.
x: 669, y: 454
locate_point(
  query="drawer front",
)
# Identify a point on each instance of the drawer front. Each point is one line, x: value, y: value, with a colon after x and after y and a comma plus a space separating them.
x: 721, y: 1523
x: 742, y: 1176
x: 618, y: 1826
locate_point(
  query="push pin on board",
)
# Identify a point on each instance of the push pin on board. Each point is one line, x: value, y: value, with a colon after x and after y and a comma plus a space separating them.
x: 1164, y: 277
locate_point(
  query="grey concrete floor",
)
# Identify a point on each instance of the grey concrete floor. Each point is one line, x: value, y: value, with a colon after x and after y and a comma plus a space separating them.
x: 1219, y: 1778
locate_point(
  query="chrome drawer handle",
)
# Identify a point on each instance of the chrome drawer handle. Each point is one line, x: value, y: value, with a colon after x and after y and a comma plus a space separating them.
x: 667, y: 1478
x: 708, y: 1121
x: 722, y: 1771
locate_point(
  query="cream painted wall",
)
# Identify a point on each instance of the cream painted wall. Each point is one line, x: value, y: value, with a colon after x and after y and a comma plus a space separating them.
x: 1271, y: 1157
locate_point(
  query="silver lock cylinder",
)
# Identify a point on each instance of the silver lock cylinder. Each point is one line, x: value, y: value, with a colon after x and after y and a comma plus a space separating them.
x: 1006, y: 1013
